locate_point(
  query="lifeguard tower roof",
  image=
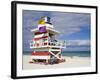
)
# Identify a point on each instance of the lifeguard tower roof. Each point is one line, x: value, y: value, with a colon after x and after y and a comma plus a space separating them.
x: 53, y: 31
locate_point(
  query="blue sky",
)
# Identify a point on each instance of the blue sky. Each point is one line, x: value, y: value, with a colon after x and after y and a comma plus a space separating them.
x: 74, y: 27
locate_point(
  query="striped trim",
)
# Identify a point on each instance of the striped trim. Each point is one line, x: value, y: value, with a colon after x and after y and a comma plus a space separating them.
x: 40, y: 53
x: 40, y: 38
x: 39, y: 33
x: 40, y: 57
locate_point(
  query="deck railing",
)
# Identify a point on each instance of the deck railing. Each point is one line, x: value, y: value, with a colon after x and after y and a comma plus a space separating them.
x: 61, y: 44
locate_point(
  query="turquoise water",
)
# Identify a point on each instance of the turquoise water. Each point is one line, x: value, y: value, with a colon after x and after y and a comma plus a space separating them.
x: 77, y: 53
x: 69, y: 53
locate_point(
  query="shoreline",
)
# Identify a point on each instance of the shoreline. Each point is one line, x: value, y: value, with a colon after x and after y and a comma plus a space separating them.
x: 73, y: 61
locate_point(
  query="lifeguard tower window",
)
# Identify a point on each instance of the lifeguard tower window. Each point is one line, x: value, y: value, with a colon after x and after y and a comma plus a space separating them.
x: 50, y: 34
x: 52, y: 38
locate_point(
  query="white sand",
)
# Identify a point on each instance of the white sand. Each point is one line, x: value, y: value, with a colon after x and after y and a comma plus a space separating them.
x: 70, y: 62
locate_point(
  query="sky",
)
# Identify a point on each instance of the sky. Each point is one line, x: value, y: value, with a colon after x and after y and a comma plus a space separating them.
x: 75, y: 28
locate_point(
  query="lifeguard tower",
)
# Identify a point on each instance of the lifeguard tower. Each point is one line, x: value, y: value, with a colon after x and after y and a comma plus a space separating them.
x: 46, y: 48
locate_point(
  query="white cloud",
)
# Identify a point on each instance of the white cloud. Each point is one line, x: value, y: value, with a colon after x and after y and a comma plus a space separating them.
x: 78, y: 45
x: 68, y: 23
x: 78, y: 42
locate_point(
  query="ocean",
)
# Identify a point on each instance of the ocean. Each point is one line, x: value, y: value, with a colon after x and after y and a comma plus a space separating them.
x: 68, y: 53
x: 77, y: 53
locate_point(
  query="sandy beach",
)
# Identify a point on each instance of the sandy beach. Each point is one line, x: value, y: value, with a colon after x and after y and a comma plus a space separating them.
x: 70, y: 62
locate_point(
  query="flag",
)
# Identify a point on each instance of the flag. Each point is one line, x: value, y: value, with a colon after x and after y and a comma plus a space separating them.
x: 41, y: 21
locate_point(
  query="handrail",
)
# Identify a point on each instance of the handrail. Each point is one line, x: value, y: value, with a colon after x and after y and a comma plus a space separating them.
x: 33, y: 44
